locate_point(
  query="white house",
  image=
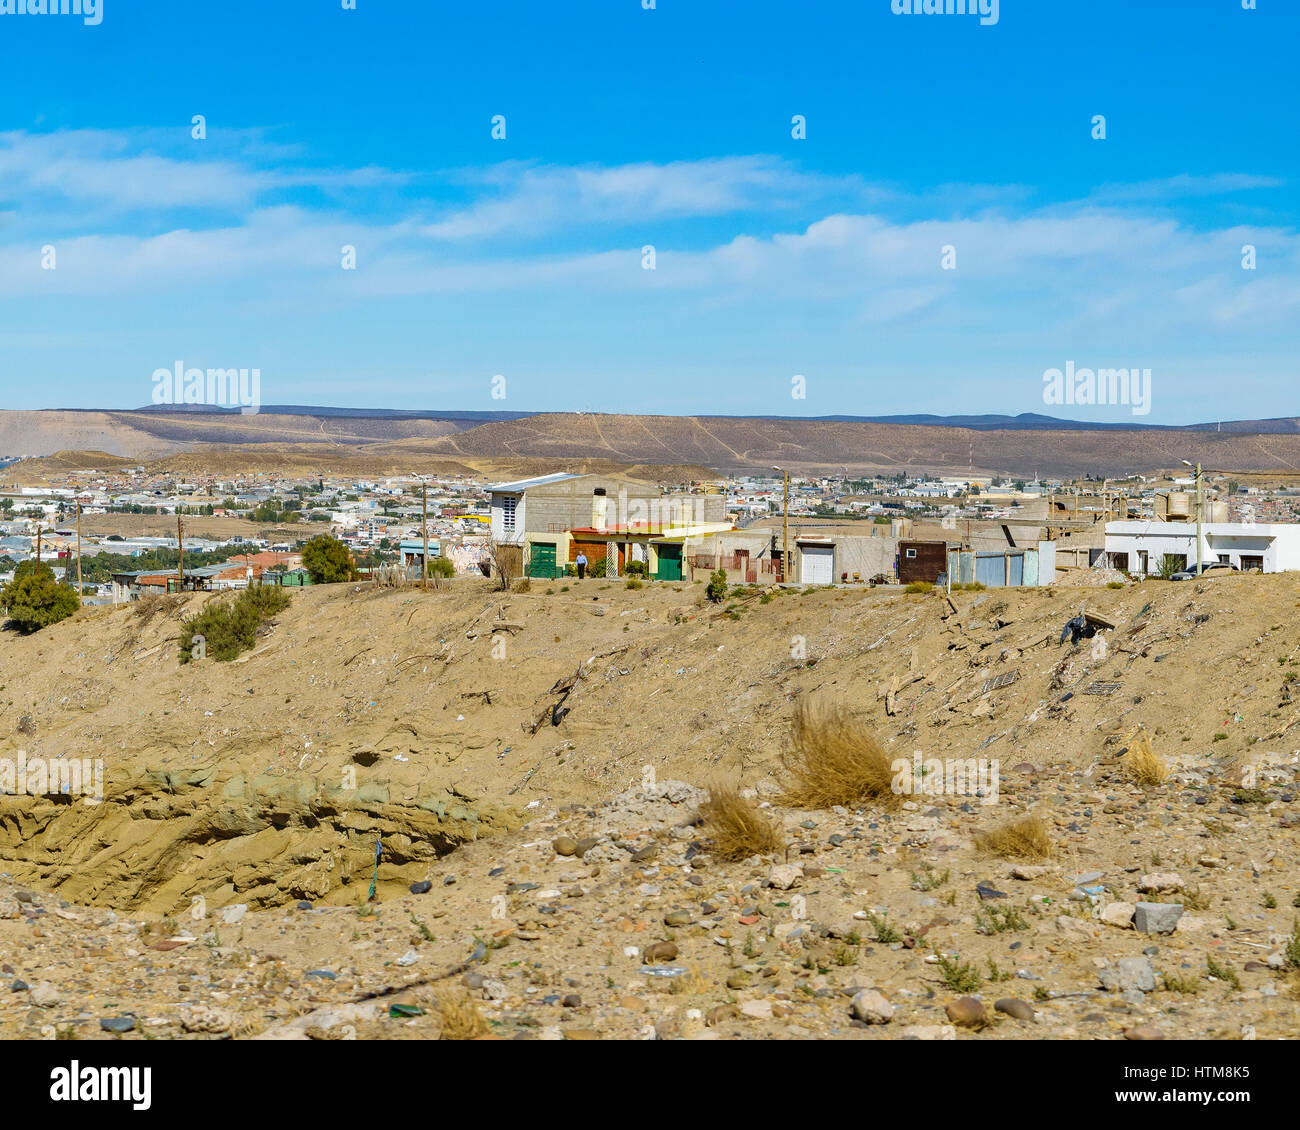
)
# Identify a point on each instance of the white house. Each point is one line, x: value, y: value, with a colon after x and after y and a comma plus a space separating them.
x: 508, y: 503
x: 1140, y: 547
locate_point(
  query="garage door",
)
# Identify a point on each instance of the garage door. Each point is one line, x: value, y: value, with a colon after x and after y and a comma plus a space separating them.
x: 818, y: 565
x: 541, y: 562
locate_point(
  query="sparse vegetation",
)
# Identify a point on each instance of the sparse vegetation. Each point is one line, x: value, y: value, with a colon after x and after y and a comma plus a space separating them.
x: 461, y: 1019
x: 994, y: 919
x: 929, y: 879
x: 717, y: 588
x: 1291, y: 950
x: 959, y: 976
x: 226, y: 627
x: 834, y: 760
x: 1224, y: 973
x: 738, y: 829
x: 1180, y: 983
x: 1142, y: 764
x: 885, y: 932
x: 1025, y: 838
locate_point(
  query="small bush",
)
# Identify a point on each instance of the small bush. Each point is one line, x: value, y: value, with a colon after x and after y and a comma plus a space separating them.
x: 635, y: 569
x: 461, y: 1019
x: 229, y: 627
x: 886, y: 935
x: 960, y: 977
x: 1142, y: 764
x: 524, y: 584
x: 737, y: 828
x: 994, y: 919
x: 34, y: 599
x: 1177, y: 983
x: 1224, y: 973
x: 919, y: 587
x: 633, y: 583
x: 1291, y: 951
x: 717, y: 590
x: 1025, y: 838
x: 834, y: 760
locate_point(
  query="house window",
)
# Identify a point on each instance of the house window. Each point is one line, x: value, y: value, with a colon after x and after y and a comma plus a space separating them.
x: 508, y: 503
x: 909, y: 553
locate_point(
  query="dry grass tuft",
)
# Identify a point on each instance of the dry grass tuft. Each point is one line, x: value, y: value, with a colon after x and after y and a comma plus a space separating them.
x: 737, y: 828
x: 834, y: 760
x: 1025, y: 838
x: 1142, y: 764
x: 160, y: 604
x: 461, y: 1019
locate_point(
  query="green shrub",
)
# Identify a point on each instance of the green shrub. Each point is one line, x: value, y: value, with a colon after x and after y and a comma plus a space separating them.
x: 635, y: 569
x: 229, y: 627
x: 717, y: 590
x: 919, y: 587
x: 441, y: 567
x: 35, y: 600
x: 327, y: 560
x: 633, y: 583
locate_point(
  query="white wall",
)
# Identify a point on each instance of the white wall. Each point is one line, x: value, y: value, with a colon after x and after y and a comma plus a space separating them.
x: 1276, y: 542
x: 499, y: 532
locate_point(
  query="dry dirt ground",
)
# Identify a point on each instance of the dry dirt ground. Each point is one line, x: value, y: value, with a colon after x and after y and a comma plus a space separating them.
x: 573, y: 892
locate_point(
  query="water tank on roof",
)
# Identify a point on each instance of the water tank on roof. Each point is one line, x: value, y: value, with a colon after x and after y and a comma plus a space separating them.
x: 1216, y: 512
x: 1180, y: 505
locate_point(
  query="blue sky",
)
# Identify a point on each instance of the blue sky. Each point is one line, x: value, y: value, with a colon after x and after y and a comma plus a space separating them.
x: 670, y: 127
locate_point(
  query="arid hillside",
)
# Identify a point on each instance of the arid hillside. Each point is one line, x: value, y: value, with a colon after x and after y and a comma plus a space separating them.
x: 536, y: 767
x: 665, y: 446
x: 816, y: 446
x: 534, y: 764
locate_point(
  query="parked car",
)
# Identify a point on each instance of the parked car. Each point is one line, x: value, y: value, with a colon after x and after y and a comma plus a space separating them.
x: 1210, y: 569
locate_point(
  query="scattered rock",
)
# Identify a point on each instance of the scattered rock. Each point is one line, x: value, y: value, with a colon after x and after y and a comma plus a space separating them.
x: 1156, y: 917
x: 967, y: 1012
x: 784, y: 876
x: 1129, y: 973
x: 1015, y: 1008
x: 1118, y: 914
x: 871, y: 1007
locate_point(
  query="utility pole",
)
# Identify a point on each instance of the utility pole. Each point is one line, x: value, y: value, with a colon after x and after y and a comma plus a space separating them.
x: 1199, y: 567
x: 424, y: 524
x: 80, y: 597
x: 785, y: 526
x: 38, y: 543
x: 180, y: 549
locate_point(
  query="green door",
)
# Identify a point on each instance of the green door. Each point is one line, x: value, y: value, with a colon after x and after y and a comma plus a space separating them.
x: 541, y: 562
x: 670, y: 563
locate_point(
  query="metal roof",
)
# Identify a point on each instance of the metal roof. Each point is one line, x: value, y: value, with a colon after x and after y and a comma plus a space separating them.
x: 525, y: 484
